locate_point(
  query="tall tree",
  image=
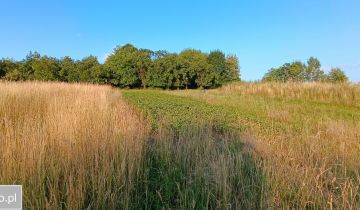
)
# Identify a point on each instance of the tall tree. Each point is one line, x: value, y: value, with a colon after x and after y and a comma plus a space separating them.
x: 87, y: 68
x: 188, y: 66
x: 313, y: 70
x: 46, y: 69
x: 206, y: 74
x: 337, y: 75
x: 14, y: 75
x: 7, y: 65
x: 163, y: 72
x: 274, y: 75
x: 68, y: 71
x: 26, y: 70
x: 143, y: 65
x: 128, y: 66
x: 100, y: 75
x: 294, y: 71
x: 232, y: 64
x: 218, y: 62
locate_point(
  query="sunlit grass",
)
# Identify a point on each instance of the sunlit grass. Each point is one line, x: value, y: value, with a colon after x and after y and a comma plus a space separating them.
x: 70, y: 146
x: 332, y: 93
x: 76, y: 146
x: 309, y: 145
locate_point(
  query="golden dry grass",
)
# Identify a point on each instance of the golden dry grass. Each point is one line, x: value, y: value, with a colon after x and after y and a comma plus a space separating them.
x: 70, y: 146
x: 309, y: 147
x: 338, y: 93
x: 78, y: 146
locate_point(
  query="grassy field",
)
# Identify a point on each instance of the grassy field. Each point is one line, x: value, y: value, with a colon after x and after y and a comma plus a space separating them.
x: 304, y: 138
x: 242, y: 146
x: 71, y: 146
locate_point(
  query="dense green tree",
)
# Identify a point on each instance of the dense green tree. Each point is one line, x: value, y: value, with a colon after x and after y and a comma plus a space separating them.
x: 46, y: 69
x: 128, y: 66
x: 2, y: 69
x: 217, y: 61
x: 294, y: 71
x: 14, y: 75
x: 7, y: 65
x: 87, y: 69
x: 68, y: 70
x: 297, y: 71
x: 337, y: 75
x: 159, y: 54
x: 207, y: 75
x: 100, y: 75
x: 313, y: 70
x: 280, y: 74
x: 26, y: 70
x: 34, y: 67
x: 121, y: 65
x: 190, y: 62
x: 186, y: 73
x: 232, y: 65
x: 163, y: 72
x: 275, y: 75
x: 143, y: 65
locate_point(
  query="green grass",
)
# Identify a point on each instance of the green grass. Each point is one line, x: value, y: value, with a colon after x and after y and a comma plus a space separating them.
x: 292, y: 143
x: 195, y: 162
x: 242, y: 146
x: 177, y: 111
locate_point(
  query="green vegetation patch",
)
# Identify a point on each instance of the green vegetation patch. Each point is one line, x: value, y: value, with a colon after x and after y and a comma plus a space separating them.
x: 194, y: 161
x: 179, y: 111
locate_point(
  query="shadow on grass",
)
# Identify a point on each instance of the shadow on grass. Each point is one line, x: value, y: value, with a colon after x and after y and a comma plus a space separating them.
x: 195, y: 167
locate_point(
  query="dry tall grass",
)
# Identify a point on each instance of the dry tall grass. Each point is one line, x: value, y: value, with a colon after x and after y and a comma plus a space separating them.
x: 340, y: 93
x: 317, y: 167
x: 309, y: 151
x: 70, y: 146
x: 78, y: 146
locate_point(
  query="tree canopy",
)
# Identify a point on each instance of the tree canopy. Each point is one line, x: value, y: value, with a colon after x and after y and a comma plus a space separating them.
x: 298, y: 71
x: 337, y: 75
x: 128, y: 66
x: 131, y: 67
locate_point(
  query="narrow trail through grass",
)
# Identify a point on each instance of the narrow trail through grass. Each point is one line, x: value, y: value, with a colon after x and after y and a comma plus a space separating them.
x: 196, y: 160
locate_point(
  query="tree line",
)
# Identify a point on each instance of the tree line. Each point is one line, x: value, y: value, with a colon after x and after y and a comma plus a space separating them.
x: 304, y: 72
x: 130, y: 67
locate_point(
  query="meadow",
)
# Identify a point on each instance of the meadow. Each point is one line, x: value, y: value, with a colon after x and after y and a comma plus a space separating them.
x: 241, y: 146
x: 71, y: 146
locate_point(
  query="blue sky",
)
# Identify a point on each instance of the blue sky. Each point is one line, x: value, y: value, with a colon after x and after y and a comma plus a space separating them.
x: 263, y: 34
